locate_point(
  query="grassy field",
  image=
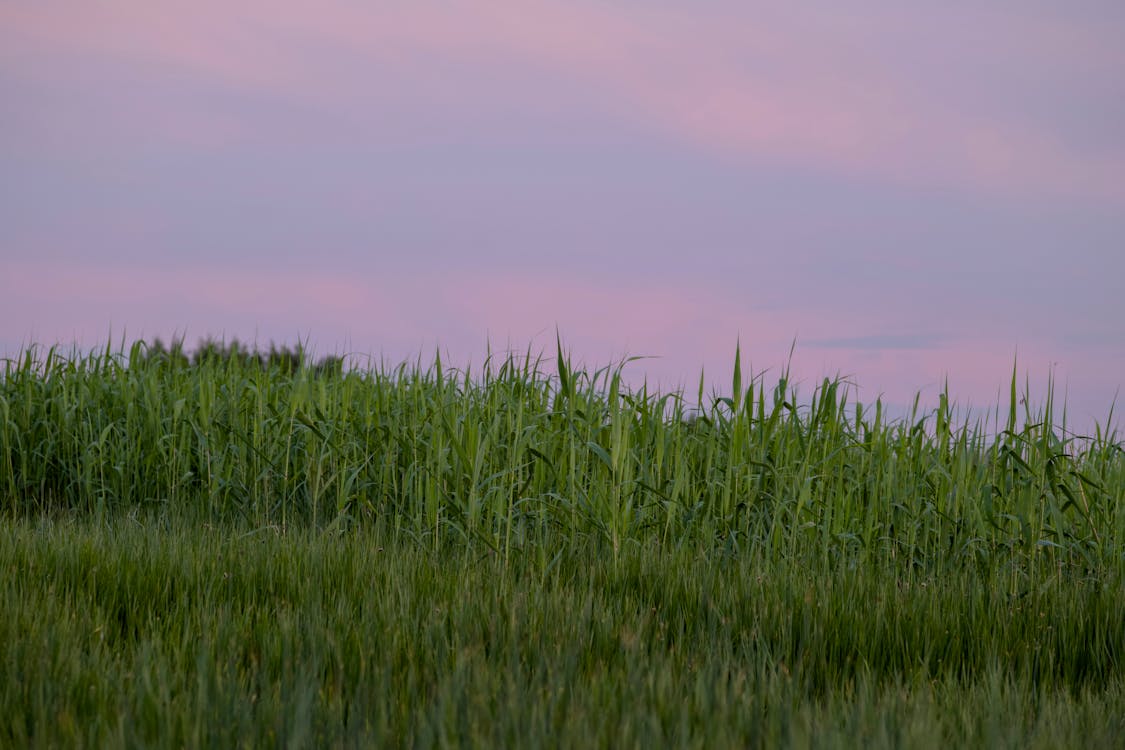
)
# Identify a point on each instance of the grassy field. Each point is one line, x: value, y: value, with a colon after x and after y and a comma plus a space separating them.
x: 244, y: 549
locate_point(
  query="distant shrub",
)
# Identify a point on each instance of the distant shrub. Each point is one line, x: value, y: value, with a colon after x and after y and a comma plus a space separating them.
x: 209, y: 351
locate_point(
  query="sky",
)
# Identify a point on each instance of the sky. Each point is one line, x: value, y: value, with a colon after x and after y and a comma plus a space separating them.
x: 901, y: 194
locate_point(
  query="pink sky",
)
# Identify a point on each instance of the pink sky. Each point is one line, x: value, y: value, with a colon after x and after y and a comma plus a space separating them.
x: 909, y: 193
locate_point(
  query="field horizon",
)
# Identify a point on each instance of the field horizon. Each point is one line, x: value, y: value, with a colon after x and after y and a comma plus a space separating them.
x: 695, y: 389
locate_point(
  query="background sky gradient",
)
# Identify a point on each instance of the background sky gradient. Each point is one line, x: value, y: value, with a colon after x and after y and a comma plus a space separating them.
x: 909, y: 193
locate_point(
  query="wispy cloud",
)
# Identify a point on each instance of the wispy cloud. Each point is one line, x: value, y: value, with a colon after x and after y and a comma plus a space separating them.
x: 880, y: 342
x: 828, y: 90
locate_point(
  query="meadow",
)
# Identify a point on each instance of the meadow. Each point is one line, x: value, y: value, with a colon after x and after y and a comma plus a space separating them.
x: 242, y: 548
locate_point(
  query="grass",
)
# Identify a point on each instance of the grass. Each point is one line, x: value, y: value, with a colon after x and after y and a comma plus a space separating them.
x: 245, y: 550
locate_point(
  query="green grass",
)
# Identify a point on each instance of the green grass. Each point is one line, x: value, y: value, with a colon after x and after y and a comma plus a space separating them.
x: 242, y: 550
x: 149, y: 632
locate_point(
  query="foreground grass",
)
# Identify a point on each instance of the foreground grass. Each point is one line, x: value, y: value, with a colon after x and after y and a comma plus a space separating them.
x: 239, y: 550
x: 162, y: 631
